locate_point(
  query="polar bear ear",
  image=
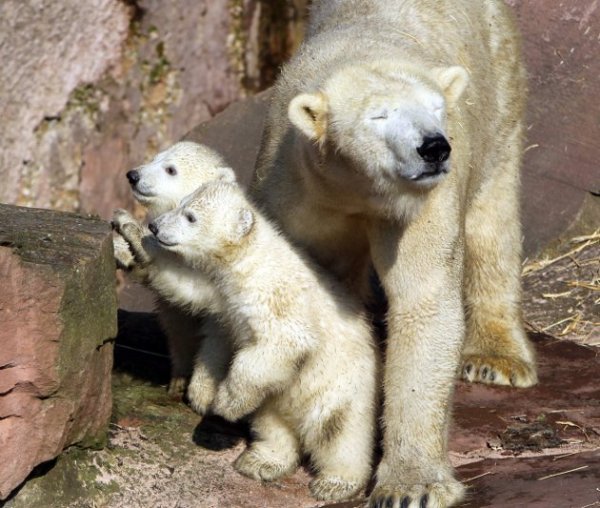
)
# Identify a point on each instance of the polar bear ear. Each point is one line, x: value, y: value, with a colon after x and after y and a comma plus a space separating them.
x: 245, y: 224
x: 453, y: 81
x: 225, y: 174
x: 308, y: 112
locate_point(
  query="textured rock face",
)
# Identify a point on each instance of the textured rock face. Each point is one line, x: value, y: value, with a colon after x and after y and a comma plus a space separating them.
x: 560, y: 46
x: 57, y: 314
x: 46, y: 49
x: 91, y: 89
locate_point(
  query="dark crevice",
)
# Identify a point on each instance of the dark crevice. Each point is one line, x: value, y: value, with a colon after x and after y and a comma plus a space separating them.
x: 7, y: 392
x: 9, y: 416
x: 136, y: 10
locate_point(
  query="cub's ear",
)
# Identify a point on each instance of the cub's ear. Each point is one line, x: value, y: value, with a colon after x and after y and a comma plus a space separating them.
x: 453, y: 81
x: 245, y: 224
x: 308, y: 112
x: 225, y: 174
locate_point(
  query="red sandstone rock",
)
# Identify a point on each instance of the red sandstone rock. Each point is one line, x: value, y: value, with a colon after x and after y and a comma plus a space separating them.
x: 57, y: 312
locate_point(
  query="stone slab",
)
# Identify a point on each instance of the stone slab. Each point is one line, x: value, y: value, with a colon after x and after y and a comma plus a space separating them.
x: 57, y: 318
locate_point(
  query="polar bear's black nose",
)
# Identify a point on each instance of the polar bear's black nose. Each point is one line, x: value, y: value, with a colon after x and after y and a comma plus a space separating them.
x: 154, y: 228
x: 133, y: 176
x: 434, y: 149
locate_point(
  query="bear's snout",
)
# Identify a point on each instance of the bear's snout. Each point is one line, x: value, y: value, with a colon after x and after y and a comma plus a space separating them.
x: 133, y: 176
x: 434, y: 148
x: 153, y: 228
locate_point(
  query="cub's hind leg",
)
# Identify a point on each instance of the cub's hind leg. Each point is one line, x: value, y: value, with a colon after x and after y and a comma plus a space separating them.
x: 274, y: 452
x: 341, y: 453
x: 184, y: 335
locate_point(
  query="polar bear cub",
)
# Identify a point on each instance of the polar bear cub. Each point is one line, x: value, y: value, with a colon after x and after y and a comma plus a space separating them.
x: 160, y: 185
x: 304, y: 360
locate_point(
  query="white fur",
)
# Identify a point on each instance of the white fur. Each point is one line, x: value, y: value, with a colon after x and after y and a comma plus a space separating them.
x: 303, y: 357
x: 186, y: 302
x: 341, y: 171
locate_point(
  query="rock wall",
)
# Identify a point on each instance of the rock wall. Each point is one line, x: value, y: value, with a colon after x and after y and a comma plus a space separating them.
x: 561, y: 41
x: 58, y: 310
x: 90, y: 89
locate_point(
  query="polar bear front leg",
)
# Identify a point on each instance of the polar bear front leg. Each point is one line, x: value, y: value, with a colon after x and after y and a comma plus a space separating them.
x: 421, y: 273
x: 210, y: 365
x: 267, y: 366
x: 123, y: 255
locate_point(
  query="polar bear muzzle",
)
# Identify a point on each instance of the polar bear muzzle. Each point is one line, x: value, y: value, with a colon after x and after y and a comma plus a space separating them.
x: 434, y: 148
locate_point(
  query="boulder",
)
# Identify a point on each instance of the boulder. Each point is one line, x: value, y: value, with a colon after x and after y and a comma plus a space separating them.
x: 57, y: 319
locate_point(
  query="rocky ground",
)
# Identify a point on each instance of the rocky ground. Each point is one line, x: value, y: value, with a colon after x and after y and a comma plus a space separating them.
x: 536, y: 448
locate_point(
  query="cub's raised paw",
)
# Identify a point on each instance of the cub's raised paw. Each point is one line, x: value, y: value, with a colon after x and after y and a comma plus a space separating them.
x: 120, y: 218
x: 498, y: 370
x: 333, y: 488
x: 253, y: 464
x: 431, y: 495
x: 123, y: 257
x: 177, y: 386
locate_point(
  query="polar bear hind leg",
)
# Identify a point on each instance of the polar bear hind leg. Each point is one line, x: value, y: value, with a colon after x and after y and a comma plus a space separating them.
x: 274, y: 452
x: 496, y: 349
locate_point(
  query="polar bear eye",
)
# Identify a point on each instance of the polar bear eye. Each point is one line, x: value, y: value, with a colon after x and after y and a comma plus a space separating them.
x: 379, y: 116
x: 171, y: 170
x: 190, y: 217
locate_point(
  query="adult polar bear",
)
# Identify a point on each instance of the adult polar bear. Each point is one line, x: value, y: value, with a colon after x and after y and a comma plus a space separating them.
x: 355, y: 166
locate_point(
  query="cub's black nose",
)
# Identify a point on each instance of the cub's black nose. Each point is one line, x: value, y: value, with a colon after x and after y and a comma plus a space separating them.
x: 154, y: 228
x: 133, y: 176
x: 434, y: 149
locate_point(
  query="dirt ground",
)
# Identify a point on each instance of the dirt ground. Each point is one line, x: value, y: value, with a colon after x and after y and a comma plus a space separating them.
x: 538, y: 447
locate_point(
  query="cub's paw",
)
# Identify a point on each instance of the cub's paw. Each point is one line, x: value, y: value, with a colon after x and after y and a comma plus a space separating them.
x: 333, y: 488
x: 120, y: 218
x: 253, y: 464
x: 430, y: 495
x: 200, y: 394
x: 123, y: 256
x: 230, y: 405
x: 498, y: 370
x: 177, y: 386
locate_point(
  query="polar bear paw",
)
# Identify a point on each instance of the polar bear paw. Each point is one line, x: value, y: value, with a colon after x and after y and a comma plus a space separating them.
x: 201, y: 392
x: 333, y: 488
x: 253, y: 464
x: 133, y: 234
x: 232, y: 405
x: 430, y: 495
x: 177, y: 387
x: 498, y: 370
x: 123, y: 256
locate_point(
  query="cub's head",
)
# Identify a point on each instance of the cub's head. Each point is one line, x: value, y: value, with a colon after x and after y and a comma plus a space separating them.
x: 209, y: 223
x: 161, y: 184
x: 382, y: 123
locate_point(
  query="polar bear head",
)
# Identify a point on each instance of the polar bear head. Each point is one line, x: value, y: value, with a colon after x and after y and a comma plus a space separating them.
x: 385, y: 122
x: 161, y: 184
x: 208, y: 224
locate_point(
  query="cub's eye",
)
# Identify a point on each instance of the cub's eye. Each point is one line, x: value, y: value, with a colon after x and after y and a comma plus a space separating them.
x: 171, y: 170
x: 190, y: 217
